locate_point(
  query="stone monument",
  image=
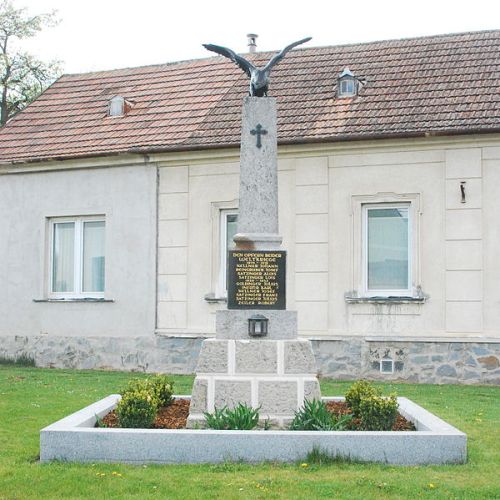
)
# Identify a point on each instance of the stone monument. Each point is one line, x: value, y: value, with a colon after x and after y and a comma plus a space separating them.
x: 256, y: 357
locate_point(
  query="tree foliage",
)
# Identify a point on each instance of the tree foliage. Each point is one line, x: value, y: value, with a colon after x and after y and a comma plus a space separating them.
x: 22, y: 76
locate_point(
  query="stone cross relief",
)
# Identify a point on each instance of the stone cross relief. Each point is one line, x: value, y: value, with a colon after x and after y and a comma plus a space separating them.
x: 258, y: 131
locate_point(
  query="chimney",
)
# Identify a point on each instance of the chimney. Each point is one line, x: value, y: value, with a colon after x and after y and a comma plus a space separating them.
x: 252, y: 42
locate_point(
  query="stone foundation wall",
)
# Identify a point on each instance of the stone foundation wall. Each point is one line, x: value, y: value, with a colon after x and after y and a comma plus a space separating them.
x: 440, y: 362
x: 454, y: 361
x: 146, y: 354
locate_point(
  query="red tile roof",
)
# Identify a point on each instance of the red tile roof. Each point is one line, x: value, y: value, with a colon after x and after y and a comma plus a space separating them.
x: 447, y: 84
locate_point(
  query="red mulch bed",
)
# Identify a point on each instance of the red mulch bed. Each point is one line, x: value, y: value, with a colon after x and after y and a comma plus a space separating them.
x: 175, y: 415
x: 341, y: 408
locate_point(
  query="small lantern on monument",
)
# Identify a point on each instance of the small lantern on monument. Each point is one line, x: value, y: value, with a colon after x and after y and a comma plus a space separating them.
x: 257, y: 325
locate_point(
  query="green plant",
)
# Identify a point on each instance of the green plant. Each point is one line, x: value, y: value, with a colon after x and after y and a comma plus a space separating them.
x: 474, y: 409
x: 137, y: 409
x: 163, y: 388
x: 241, y: 417
x: 314, y: 416
x: 134, y: 385
x: 317, y: 456
x: 359, y: 390
x: 99, y: 422
x: 159, y: 387
x: 378, y: 413
x: 21, y: 360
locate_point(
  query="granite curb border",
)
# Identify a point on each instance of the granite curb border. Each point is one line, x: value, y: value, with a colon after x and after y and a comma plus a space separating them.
x: 75, y: 439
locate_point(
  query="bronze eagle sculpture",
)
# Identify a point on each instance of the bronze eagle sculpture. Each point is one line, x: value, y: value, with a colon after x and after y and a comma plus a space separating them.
x: 259, y: 77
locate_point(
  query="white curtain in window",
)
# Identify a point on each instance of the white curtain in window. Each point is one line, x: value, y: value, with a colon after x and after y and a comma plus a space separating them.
x: 93, y: 256
x: 63, y: 255
x: 388, y: 249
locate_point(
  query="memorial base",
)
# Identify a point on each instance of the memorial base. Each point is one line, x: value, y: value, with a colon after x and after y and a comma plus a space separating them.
x: 275, y: 375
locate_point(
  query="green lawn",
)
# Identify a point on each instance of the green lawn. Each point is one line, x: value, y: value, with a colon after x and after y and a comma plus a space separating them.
x: 32, y: 398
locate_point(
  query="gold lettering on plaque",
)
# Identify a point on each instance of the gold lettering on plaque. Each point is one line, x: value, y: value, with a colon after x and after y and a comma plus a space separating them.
x: 257, y: 278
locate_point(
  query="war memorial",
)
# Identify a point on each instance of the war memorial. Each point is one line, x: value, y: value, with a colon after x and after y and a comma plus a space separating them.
x: 255, y: 357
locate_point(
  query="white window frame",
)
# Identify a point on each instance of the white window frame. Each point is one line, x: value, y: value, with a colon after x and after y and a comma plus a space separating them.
x: 403, y: 292
x: 343, y: 82
x: 78, y: 293
x: 359, y: 266
x: 386, y: 360
x: 222, y: 280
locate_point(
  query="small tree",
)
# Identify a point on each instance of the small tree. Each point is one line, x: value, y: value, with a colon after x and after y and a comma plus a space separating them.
x: 22, y: 76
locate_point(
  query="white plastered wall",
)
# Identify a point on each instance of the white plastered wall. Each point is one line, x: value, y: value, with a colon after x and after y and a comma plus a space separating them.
x: 394, y: 173
x: 126, y: 196
x: 456, y: 243
x: 190, y: 197
x: 491, y: 240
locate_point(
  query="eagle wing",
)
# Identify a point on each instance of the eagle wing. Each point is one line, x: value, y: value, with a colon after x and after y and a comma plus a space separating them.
x: 278, y: 57
x: 245, y: 65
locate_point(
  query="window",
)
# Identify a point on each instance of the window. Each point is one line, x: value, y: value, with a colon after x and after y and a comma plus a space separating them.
x: 116, y: 106
x: 387, y: 365
x: 347, y: 87
x: 119, y: 106
x: 385, y: 253
x: 347, y: 84
x: 228, y: 228
x: 387, y: 249
x: 77, y: 257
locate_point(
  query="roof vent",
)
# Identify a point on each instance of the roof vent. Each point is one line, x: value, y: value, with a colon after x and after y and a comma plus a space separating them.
x: 118, y: 106
x: 347, y: 84
x: 252, y: 42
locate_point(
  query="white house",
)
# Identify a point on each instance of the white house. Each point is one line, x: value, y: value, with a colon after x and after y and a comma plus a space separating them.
x: 119, y: 196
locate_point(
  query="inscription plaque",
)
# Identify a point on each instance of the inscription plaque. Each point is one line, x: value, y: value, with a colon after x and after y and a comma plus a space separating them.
x: 256, y: 279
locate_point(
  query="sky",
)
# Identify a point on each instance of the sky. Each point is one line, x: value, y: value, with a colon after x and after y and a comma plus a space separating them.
x: 97, y: 35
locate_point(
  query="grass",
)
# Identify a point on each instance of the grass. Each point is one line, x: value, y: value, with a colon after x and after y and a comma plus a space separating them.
x: 21, y: 360
x: 32, y: 398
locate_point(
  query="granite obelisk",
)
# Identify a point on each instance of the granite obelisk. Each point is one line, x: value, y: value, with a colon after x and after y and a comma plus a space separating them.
x: 258, y: 212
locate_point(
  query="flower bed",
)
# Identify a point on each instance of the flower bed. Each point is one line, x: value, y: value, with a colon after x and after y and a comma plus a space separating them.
x: 75, y: 438
x: 175, y: 416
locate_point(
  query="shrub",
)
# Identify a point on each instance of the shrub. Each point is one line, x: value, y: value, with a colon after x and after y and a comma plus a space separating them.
x: 159, y: 387
x: 134, y: 385
x: 241, y: 418
x: 358, y: 391
x: 378, y: 413
x: 314, y: 416
x: 163, y: 389
x: 137, y: 409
